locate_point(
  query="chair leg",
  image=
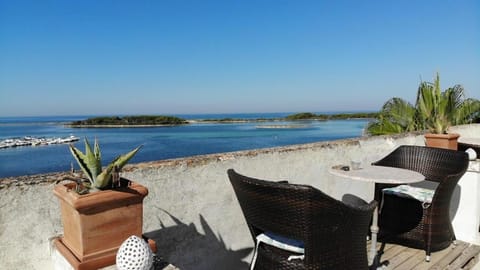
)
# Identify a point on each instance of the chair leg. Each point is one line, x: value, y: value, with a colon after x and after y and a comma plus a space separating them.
x: 428, y: 252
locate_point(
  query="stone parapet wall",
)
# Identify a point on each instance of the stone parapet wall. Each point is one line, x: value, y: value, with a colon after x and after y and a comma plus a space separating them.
x: 191, y: 211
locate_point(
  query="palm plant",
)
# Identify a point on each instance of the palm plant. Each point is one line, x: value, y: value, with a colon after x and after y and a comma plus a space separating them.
x: 434, y: 111
x: 396, y: 116
x: 91, y: 164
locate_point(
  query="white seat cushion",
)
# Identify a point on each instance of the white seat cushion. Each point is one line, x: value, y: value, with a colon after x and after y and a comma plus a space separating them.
x: 421, y: 194
x: 281, y: 242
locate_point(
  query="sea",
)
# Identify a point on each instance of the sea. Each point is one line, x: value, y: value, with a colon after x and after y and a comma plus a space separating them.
x: 160, y: 143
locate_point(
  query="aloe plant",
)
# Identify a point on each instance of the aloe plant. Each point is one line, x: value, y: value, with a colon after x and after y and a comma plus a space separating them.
x: 91, y: 164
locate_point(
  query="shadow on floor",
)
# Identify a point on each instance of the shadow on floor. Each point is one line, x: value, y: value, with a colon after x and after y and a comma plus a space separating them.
x: 185, y: 247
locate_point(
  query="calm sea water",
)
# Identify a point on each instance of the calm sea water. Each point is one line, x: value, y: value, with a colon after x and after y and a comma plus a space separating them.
x: 158, y: 142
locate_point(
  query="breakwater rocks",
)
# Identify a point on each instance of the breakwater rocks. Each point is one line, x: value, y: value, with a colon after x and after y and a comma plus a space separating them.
x: 32, y: 141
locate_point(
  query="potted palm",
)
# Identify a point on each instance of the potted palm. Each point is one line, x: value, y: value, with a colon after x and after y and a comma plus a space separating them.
x: 99, y: 212
x: 434, y: 111
x: 437, y: 111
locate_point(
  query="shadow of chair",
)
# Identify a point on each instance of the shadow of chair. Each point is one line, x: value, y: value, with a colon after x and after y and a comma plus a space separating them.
x: 187, y: 248
x: 331, y: 232
x: 410, y: 222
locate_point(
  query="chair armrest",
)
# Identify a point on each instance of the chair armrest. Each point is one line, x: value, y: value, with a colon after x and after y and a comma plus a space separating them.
x: 357, y: 202
x: 353, y: 200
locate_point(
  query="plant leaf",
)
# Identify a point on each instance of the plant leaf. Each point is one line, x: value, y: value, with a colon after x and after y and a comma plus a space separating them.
x: 105, y: 177
x: 98, y: 153
x: 92, y: 161
x: 122, y: 160
x: 81, y: 160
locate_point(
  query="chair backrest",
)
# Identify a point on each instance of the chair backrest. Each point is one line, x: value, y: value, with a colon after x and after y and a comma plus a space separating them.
x: 431, y: 227
x: 436, y: 164
x: 443, y: 166
x: 266, y: 205
x: 304, y: 213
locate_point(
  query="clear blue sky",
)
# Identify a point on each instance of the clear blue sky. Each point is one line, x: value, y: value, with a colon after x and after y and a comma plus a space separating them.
x: 173, y: 56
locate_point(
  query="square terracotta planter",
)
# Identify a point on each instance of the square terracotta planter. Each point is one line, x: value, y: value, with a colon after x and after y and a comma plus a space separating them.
x: 96, y: 224
x: 447, y: 141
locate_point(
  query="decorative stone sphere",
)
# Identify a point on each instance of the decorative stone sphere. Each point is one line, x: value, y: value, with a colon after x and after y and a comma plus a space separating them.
x: 472, y: 155
x: 134, y: 254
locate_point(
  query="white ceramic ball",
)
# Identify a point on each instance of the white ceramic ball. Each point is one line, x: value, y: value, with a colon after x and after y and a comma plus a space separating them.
x: 134, y: 254
x: 472, y: 155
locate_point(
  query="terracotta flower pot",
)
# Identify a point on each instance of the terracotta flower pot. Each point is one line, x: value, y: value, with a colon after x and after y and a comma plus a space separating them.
x: 447, y: 141
x: 96, y: 224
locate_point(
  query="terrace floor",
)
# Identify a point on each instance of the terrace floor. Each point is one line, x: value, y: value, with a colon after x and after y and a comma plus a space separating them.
x: 460, y: 256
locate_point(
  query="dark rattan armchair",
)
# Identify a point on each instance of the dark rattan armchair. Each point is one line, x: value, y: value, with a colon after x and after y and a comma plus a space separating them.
x: 410, y: 222
x: 332, y: 232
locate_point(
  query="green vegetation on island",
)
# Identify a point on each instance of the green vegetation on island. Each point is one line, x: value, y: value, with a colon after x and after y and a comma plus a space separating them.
x: 296, y: 117
x: 237, y: 120
x: 155, y: 120
x: 302, y: 116
x: 142, y: 120
x: 339, y: 116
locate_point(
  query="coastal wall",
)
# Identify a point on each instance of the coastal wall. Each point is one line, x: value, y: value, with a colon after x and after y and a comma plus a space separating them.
x: 191, y: 210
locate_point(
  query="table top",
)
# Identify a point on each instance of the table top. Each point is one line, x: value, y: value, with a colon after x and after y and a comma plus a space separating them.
x: 473, y: 141
x: 380, y: 174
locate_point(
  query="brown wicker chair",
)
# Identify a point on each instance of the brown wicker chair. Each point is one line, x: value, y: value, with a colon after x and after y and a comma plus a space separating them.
x: 333, y: 232
x: 408, y: 221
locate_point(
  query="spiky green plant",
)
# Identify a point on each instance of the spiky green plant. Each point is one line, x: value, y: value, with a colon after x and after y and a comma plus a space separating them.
x: 396, y: 116
x: 91, y: 164
x: 434, y: 111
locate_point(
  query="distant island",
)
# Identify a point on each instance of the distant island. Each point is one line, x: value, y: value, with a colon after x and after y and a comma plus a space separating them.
x: 339, y: 116
x: 162, y: 120
x: 129, y: 121
x: 297, y: 117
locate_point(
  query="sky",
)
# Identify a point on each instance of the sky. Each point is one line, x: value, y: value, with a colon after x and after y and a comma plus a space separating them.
x: 113, y: 57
